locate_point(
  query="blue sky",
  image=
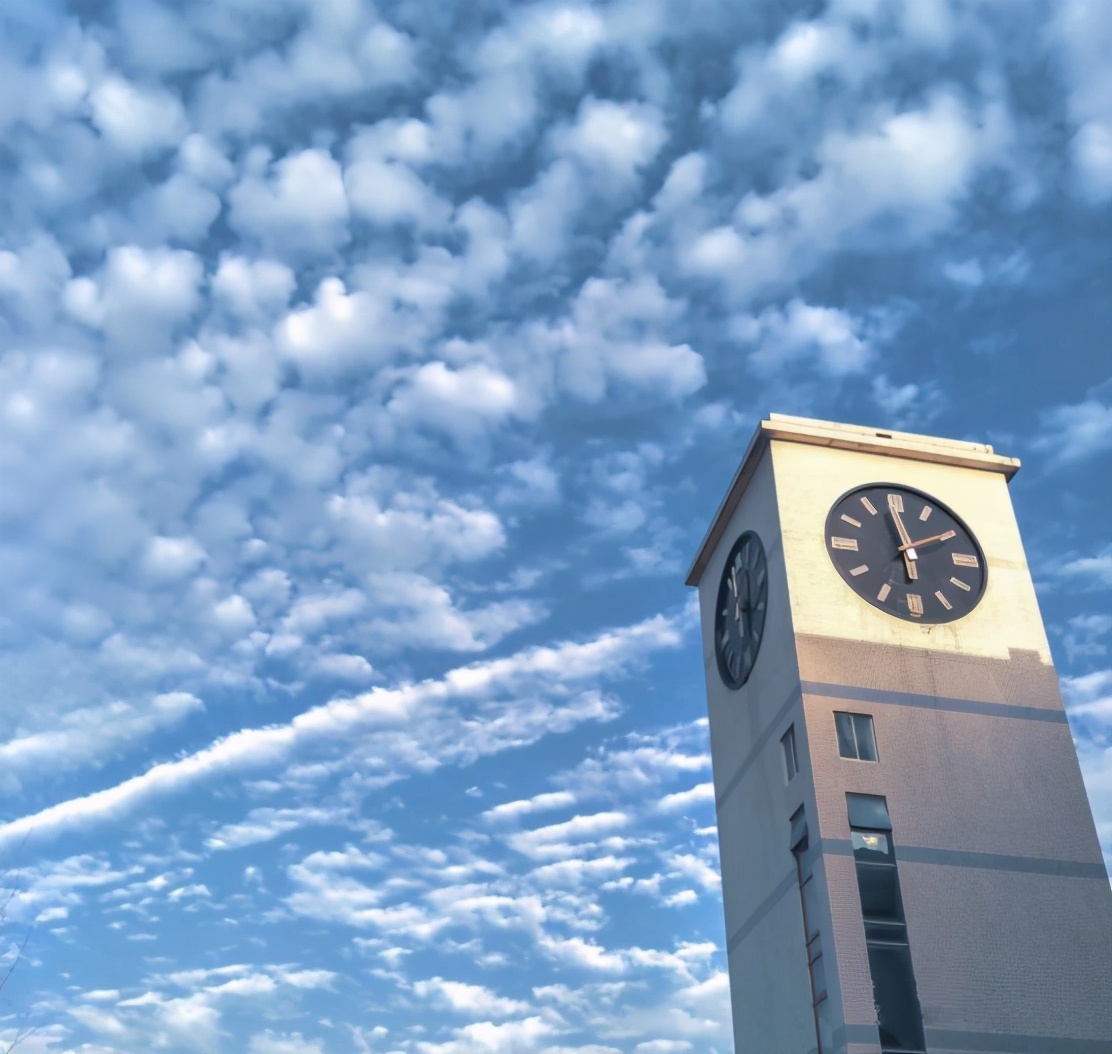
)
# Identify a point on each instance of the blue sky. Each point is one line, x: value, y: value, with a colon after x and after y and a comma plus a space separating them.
x: 368, y: 376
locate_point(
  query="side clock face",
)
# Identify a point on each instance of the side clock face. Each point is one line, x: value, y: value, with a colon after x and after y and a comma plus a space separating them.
x: 906, y: 553
x: 740, y: 616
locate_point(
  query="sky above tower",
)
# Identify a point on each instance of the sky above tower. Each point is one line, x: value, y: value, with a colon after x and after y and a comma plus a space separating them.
x: 369, y: 373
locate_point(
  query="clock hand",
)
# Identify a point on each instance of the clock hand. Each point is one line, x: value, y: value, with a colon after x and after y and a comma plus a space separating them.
x: 907, y: 549
x: 945, y: 536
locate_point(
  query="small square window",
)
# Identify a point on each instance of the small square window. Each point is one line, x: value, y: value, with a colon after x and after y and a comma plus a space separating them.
x: 856, y: 739
x: 791, y: 758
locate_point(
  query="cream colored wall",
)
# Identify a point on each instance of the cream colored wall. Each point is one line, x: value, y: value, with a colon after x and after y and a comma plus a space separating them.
x: 809, y: 479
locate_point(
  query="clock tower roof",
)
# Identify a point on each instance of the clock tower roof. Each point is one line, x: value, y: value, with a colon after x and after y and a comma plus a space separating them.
x: 905, y: 445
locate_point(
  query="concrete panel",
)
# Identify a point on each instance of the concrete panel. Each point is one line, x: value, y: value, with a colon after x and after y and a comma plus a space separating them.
x: 768, y: 973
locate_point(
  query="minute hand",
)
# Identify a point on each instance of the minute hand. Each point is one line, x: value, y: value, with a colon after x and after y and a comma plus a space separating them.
x: 906, y: 550
x: 945, y: 536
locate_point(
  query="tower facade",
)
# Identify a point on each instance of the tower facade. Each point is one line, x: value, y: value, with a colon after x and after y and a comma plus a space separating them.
x: 909, y: 860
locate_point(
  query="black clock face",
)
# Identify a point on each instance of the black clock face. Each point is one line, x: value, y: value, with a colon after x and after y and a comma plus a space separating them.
x: 906, y: 553
x: 740, y: 616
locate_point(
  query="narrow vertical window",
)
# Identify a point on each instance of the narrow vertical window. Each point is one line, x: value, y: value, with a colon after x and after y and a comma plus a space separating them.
x: 856, y: 738
x: 791, y: 758
x: 878, y: 882
x: 808, y: 896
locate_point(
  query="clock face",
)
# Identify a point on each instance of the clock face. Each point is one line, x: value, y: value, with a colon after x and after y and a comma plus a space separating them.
x: 906, y: 553
x: 740, y: 616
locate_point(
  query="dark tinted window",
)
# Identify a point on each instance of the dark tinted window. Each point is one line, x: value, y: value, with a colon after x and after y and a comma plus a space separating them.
x: 856, y: 738
x: 847, y: 742
x: 791, y: 758
x: 880, y: 892
x: 901, y: 1020
x: 866, y: 741
x: 878, y: 883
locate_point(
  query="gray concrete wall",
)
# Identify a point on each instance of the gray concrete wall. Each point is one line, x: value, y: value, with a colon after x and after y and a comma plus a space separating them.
x: 770, y: 986
x: 1008, y: 906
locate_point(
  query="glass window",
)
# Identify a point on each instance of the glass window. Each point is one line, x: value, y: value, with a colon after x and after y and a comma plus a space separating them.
x: 885, y: 932
x: 878, y: 882
x: 847, y: 741
x: 870, y: 845
x: 880, y: 892
x: 809, y: 889
x: 791, y: 758
x: 869, y: 811
x: 897, y: 1005
x: 856, y: 738
x: 866, y: 741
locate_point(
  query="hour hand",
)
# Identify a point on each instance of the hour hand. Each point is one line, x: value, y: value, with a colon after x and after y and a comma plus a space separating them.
x: 945, y: 536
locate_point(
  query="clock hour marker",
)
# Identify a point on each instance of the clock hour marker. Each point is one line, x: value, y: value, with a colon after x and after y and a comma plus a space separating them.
x: 947, y: 535
x: 915, y: 603
x: 860, y: 570
x: 896, y: 502
x: 843, y: 543
x: 965, y: 560
x: 869, y: 505
x: 927, y: 510
x: 942, y: 599
x: 962, y: 585
x: 851, y: 521
x: 884, y: 591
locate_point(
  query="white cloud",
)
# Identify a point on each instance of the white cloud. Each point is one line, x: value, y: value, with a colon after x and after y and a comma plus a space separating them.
x: 615, y: 140
x: 907, y: 405
x: 1097, y: 569
x: 833, y: 340
x: 1083, y: 35
x: 253, y: 288
x: 453, y: 738
x: 526, y: 806
x: 32, y: 277
x: 485, y: 1036
x: 1090, y: 695
x: 1071, y: 433
x: 972, y: 273
x: 90, y: 733
x: 339, y: 331
x: 141, y: 295
x: 135, y: 120
x: 690, y: 866
x: 381, y: 185
x: 345, y: 667
x: 266, y: 824
x: 171, y: 559
x: 531, y: 482
x: 407, y: 530
x: 283, y: 1043
x: 471, y: 999
x: 297, y: 205
x: 700, y: 794
x: 615, y: 340
x: 463, y: 402
x: 897, y: 177
x: 410, y: 607
x: 178, y: 210
x: 567, y: 838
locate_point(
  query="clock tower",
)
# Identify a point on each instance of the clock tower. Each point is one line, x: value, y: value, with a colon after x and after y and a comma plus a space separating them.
x: 909, y: 861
